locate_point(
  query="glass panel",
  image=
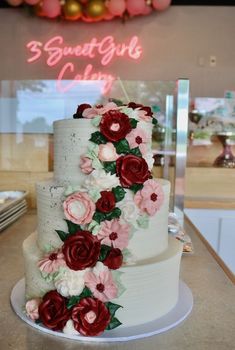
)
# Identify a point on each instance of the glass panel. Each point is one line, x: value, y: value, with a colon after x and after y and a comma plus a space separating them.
x: 28, y: 109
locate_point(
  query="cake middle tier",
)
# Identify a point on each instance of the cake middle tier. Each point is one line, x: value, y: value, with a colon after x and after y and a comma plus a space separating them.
x: 144, y: 243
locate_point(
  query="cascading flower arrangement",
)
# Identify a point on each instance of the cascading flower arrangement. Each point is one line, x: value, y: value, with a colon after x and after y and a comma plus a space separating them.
x: 92, y: 10
x: 117, y: 196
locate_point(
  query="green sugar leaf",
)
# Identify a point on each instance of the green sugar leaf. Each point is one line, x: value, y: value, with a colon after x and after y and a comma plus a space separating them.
x: 73, y: 228
x: 104, y: 250
x: 112, y: 307
x: 126, y: 254
x: 118, y: 102
x: 98, y: 217
x: 94, y: 227
x: 73, y: 301
x: 133, y: 123
x: 143, y: 221
x: 110, y: 167
x: 114, y: 214
x: 86, y: 293
x: 136, y: 187
x: 114, y: 323
x: 96, y: 121
x: 117, y: 276
x: 76, y: 298
x: 119, y: 193
x: 154, y: 121
x: 136, y: 152
x: 92, y: 150
x: 63, y: 235
x: 94, y: 193
x: 122, y: 146
x: 98, y: 138
x: 96, y: 164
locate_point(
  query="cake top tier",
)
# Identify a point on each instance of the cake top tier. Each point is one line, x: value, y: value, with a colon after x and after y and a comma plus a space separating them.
x: 98, y: 136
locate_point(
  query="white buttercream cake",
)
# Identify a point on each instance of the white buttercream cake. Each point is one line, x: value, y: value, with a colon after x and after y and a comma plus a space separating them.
x: 101, y: 257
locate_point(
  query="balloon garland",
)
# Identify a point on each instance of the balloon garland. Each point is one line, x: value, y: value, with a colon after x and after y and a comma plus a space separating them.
x: 92, y: 10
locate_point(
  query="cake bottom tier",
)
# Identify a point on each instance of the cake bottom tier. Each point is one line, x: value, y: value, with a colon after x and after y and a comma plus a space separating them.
x: 152, y: 285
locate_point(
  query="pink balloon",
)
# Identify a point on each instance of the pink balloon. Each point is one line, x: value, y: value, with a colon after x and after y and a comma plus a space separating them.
x: 87, y: 19
x: 108, y: 16
x: 116, y: 7
x: 161, y: 5
x: 14, y: 2
x: 147, y: 10
x: 135, y: 7
x: 32, y: 2
x: 51, y: 8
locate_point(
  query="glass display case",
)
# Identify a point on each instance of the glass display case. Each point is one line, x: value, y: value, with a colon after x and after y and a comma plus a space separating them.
x: 28, y: 109
x: 212, y: 132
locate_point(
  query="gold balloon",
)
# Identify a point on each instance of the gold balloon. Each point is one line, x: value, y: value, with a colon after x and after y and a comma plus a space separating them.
x: 96, y: 8
x: 72, y: 10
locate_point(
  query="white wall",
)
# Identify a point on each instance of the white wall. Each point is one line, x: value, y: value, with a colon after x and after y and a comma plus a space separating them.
x: 173, y: 42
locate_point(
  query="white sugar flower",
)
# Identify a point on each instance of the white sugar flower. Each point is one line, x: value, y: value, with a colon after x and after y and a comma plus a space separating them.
x: 101, y: 180
x: 69, y: 282
x: 149, y: 159
x: 130, y: 212
x: 69, y: 328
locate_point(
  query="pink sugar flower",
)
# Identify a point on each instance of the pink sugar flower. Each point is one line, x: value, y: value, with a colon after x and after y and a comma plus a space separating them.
x: 101, y: 285
x: 143, y: 115
x: 138, y: 138
x: 107, y: 152
x: 51, y: 263
x: 114, y: 234
x: 86, y: 165
x: 32, y: 308
x: 79, y: 208
x: 99, y: 110
x: 90, y: 317
x: 150, y: 198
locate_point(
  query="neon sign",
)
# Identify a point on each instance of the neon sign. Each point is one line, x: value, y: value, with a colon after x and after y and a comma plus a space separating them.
x: 105, y: 50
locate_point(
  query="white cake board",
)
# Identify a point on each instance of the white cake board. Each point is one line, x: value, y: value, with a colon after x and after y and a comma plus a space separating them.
x: 163, y: 324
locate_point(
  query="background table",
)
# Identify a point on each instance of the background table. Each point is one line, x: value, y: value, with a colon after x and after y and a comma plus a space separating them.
x: 210, y: 325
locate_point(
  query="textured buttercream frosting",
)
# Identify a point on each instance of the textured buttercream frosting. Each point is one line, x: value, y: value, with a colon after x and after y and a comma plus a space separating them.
x: 151, y: 284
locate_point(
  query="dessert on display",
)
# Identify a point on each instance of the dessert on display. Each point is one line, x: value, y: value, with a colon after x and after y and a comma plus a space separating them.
x: 101, y: 257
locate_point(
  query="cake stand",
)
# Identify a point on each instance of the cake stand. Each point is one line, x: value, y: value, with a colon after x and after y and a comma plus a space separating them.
x: 163, y: 324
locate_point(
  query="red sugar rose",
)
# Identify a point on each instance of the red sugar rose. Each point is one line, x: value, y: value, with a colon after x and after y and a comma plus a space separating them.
x: 80, y: 109
x: 53, y: 311
x: 81, y: 250
x: 132, y: 170
x: 115, y: 125
x: 90, y: 316
x: 106, y: 202
x: 148, y: 110
x: 113, y: 259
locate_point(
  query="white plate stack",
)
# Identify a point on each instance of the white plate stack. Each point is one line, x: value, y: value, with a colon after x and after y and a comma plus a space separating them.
x: 12, y: 205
